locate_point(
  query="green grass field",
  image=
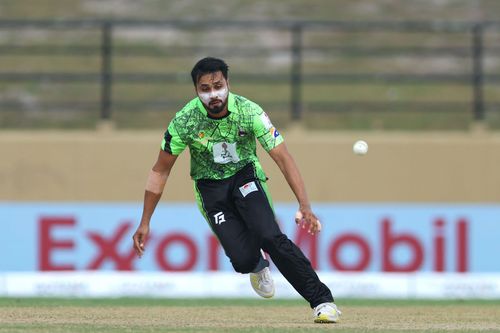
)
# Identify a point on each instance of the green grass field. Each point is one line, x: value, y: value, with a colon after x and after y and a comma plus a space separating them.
x: 242, y: 315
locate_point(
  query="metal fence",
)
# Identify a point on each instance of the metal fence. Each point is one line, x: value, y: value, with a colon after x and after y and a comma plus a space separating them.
x: 296, y: 66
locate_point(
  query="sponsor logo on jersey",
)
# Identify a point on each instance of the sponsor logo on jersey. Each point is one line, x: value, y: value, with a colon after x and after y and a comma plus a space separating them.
x: 274, y: 132
x: 248, y: 188
x: 219, y: 218
x: 241, y: 132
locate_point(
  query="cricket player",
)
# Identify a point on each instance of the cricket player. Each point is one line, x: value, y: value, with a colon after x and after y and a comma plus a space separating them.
x: 220, y: 128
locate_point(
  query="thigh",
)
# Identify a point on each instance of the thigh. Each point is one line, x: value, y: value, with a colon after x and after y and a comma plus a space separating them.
x: 253, y: 204
x: 215, y: 202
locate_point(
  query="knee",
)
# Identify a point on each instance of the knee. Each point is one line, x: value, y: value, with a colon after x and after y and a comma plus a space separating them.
x: 245, y: 263
x: 273, y: 242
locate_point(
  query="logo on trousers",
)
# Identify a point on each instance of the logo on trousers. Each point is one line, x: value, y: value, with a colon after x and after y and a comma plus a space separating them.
x: 219, y: 218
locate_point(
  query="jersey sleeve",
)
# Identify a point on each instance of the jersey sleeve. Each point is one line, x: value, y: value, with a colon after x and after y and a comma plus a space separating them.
x: 172, y: 142
x: 265, y: 132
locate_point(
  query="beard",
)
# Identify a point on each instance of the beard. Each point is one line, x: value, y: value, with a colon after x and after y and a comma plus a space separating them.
x: 215, y: 101
x: 216, y: 109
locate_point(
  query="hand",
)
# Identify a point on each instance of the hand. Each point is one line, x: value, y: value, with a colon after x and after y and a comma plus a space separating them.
x: 306, y: 218
x: 139, y: 238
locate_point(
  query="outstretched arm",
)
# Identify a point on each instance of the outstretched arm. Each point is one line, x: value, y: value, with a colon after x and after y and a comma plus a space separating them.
x: 287, y: 165
x: 154, y: 189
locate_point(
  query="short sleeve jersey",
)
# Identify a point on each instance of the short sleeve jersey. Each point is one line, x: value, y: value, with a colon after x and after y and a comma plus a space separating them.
x: 221, y: 147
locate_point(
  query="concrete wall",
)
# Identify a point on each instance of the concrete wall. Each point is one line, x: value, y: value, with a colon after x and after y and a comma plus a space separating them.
x: 113, y: 165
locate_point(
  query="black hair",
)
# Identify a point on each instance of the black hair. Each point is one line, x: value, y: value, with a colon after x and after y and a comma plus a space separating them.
x: 208, y: 65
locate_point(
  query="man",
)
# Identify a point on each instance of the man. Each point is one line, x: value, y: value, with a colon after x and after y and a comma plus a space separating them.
x: 220, y: 129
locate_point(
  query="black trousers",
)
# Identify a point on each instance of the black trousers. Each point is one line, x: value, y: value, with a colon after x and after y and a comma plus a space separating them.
x: 240, y: 214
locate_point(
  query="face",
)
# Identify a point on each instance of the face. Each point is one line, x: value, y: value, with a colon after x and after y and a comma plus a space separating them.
x: 213, y: 89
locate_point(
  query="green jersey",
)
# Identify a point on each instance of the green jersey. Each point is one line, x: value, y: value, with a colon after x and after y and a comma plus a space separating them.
x: 221, y: 147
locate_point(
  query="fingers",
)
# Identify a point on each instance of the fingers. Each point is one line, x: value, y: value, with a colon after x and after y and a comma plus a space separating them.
x: 299, y: 218
x: 308, y: 219
x: 313, y: 223
x: 138, y: 243
x: 140, y: 238
x: 314, y: 227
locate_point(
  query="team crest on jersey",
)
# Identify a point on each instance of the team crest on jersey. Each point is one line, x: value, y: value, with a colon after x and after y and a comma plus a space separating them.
x: 225, y: 152
x: 202, y: 138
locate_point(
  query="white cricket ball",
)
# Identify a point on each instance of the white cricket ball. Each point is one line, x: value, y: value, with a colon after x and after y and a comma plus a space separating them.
x: 360, y: 147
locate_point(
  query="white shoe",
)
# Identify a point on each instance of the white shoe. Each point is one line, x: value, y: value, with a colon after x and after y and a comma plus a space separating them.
x: 263, y: 283
x: 327, y: 313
